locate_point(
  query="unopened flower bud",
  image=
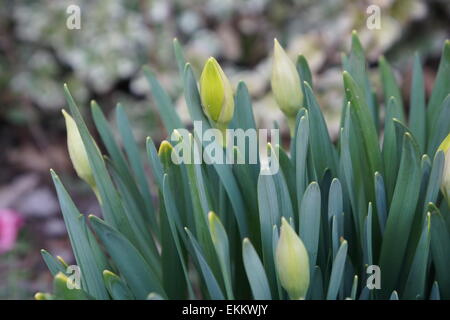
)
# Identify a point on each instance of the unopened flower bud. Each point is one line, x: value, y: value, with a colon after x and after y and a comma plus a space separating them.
x: 77, y: 152
x: 216, y: 94
x: 292, y: 262
x: 445, y: 182
x: 285, y: 83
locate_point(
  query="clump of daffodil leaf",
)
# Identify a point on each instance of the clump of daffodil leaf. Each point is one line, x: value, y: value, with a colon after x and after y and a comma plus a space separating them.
x: 364, y: 217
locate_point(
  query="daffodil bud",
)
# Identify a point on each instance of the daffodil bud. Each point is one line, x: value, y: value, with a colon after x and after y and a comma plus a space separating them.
x: 77, y: 152
x: 216, y: 94
x: 292, y: 262
x: 445, y: 183
x: 285, y: 84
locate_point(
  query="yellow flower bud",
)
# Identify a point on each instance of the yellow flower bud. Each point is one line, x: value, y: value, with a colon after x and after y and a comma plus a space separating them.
x: 216, y: 94
x: 285, y: 83
x: 445, y: 183
x: 292, y: 262
x: 77, y: 151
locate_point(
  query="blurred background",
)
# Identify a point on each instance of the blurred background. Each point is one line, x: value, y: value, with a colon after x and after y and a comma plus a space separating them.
x: 103, y: 61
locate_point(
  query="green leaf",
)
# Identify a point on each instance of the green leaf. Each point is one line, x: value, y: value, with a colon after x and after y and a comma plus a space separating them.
x: 143, y: 238
x: 301, y: 153
x: 415, y: 285
x: 269, y: 215
x: 391, y: 88
x: 220, y: 240
x: 173, y: 219
x: 441, y: 89
x: 154, y: 162
x: 138, y: 275
x: 135, y: 160
x: 116, y: 287
x: 54, y: 266
x: 179, y: 56
x: 255, y: 272
x: 305, y: 74
x: 356, y: 65
x: 63, y: 292
x: 364, y: 121
x: 283, y: 192
x: 315, y: 291
x: 390, y: 153
x: 401, y: 215
x: 208, y: 276
x: 243, y: 117
x: 354, y: 288
x: 441, y: 127
x: 417, y: 116
x: 309, y: 218
x: 322, y: 150
x: 352, y: 172
x: 435, y: 295
x: 165, y: 107
x: 367, y: 245
x: 337, y: 271
x: 440, y: 249
x: 381, y: 205
x: 394, y: 295
x: 435, y: 179
x: 92, y: 280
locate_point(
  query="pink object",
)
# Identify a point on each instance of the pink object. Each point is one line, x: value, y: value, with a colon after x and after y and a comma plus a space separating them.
x: 10, y: 223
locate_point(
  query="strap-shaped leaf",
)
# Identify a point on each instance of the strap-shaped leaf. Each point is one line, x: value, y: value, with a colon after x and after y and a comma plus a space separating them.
x: 354, y: 288
x: 441, y: 127
x: 359, y: 107
x: 165, y: 107
x: 173, y: 219
x: 211, y: 283
x: 337, y: 271
x: 390, y: 88
x: 356, y: 65
x: 415, y: 285
x: 441, y: 89
x: 301, y: 153
x: 269, y: 216
x: 92, y: 281
x: 116, y: 287
x: 440, y: 249
x: 368, y: 245
x: 394, y: 295
x: 54, y: 266
x: 132, y: 267
x: 435, y: 295
x: 319, y: 139
x: 243, y: 117
x: 309, y: 218
x: 134, y: 157
x: 401, y: 215
x: 179, y: 56
x: 255, y: 272
x: 390, y: 153
x: 221, y: 244
x: 381, y: 205
x: 417, y: 116
x: 315, y: 290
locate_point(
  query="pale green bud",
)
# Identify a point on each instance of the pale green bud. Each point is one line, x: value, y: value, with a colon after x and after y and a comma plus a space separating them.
x: 77, y: 151
x: 216, y: 94
x: 445, y: 183
x: 292, y: 262
x: 285, y: 82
